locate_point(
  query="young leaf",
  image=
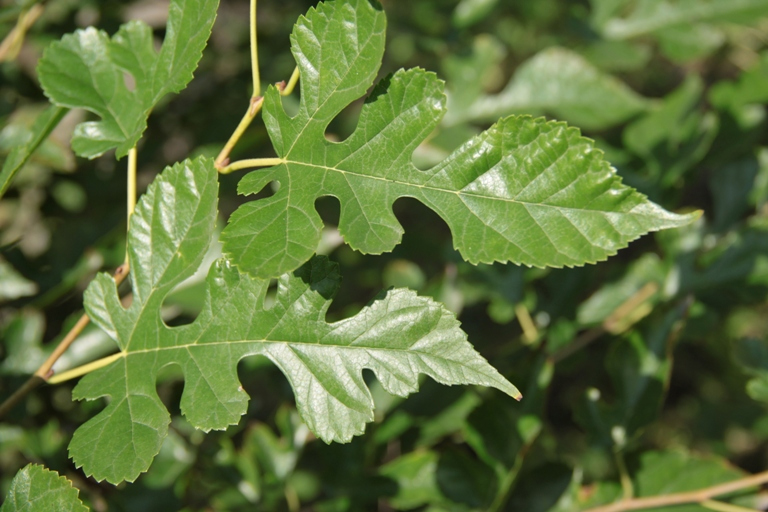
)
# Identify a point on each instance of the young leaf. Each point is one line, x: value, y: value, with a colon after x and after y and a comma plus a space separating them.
x: 526, y: 191
x: 398, y: 336
x: 37, y: 488
x: 87, y: 70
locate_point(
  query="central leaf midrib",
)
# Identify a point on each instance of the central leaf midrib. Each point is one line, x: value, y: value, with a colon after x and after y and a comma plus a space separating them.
x: 266, y: 342
x: 456, y: 192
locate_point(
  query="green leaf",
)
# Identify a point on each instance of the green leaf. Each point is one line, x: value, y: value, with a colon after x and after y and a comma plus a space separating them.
x: 87, y: 69
x: 731, y: 187
x: 672, y: 472
x: 12, y: 284
x: 691, y: 41
x: 21, y: 153
x: 563, y: 83
x: 640, y: 366
x: 398, y: 336
x: 526, y: 191
x: 540, y: 489
x: 469, y: 12
x: 650, y: 16
x: 470, y: 75
x: 751, y: 87
x: 415, y: 474
x: 37, y: 488
x: 752, y: 355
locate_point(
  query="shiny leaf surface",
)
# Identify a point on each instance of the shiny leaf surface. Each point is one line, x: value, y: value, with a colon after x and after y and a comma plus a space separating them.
x: 398, y: 336
x: 526, y: 191
x: 122, y: 78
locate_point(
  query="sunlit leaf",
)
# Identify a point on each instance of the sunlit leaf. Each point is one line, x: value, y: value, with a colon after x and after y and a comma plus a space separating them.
x: 36, y: 488
x: 526, y: 191
x: 89, y: 70
x: 398, y: 336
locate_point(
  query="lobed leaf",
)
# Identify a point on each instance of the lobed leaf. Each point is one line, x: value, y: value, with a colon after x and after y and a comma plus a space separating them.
x: 37, y: 488
x: 527, y: 191
x: 87, y: 70
x: 398, y: 336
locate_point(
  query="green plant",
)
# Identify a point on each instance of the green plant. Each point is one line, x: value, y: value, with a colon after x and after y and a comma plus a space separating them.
x: 526, y: 191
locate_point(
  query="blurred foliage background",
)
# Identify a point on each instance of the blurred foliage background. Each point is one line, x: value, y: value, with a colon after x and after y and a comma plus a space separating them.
x: 652, y: 364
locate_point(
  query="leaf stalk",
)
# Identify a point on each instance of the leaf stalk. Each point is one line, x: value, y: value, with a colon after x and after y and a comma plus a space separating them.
x: 223, y: 159
x: 84, y: 369
x: 251, y: 162
x: 45, y: 372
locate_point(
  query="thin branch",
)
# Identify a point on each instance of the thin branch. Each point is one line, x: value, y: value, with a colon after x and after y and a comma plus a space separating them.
x: 132, y: 157
x: 255, y: 53
x: 251, y: 162
x: 131, y: 194
x: 45, y: 372
x: 223, y: 159
x: 700, y: 496
x: 93, y: 365
x: 30, y: 385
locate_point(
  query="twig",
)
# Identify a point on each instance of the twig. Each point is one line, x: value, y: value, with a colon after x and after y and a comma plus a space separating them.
x: 254, y: 53
x: 45, y: 371
x: 30, y: 385
x: 700, y: 496
x: 257, y: 100
x: 132, y: 158
x: 223, y: 159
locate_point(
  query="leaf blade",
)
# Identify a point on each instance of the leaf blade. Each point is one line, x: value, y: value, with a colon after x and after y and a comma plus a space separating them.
x: 37, y: 488
x: 86, y: 70
x: 576, y: 203
x: 398, y: 336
